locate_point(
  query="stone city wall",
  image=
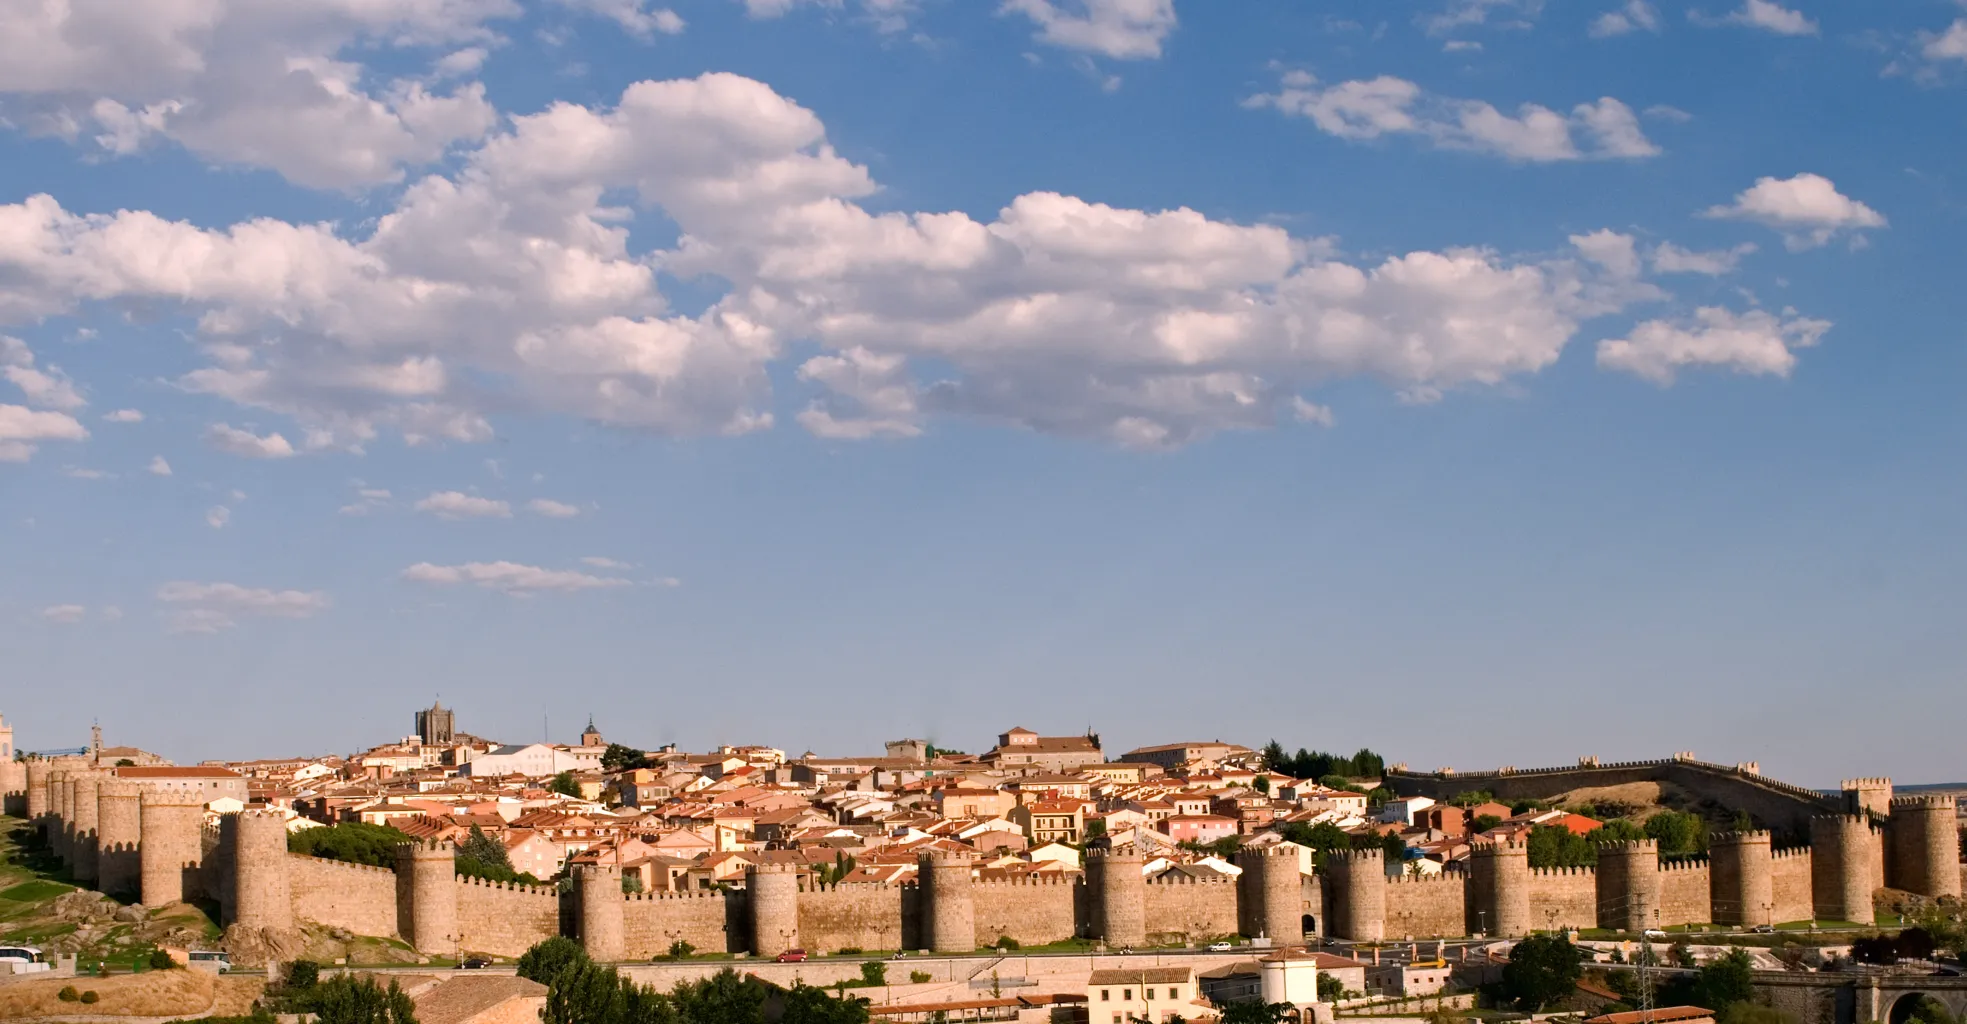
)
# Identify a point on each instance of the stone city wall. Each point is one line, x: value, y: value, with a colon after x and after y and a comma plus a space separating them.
x: 865, y: 916
x: 1686, y: 895
x: 355, y: 897
x: 1190, y: 911
x: 1426, y: 906
x: 1034, y: 911
x: 1563, y: 897
x: 1789, y: 884
x: 504, y: 919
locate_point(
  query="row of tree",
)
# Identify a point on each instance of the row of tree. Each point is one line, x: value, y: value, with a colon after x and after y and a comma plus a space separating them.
x: 1316, y: 764
x: 1554, y: 846
x: 354, y: 842
x: 580, y: 991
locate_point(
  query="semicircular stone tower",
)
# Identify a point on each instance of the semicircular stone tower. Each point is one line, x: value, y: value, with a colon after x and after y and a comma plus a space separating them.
x: 37, y: 794
x: 119, y: 828
x: 603, y: 912
x: 262, y: 897
x: 172, y: 846
x: 1741, y: 882
x: 1925, y: 832
x: 1843, y: 855
x: 1273, y: 886
x: 83, y: 789
x: 773, y: 892
x: 1501, y: 880
x: 58, y: 793
x: 1357, y: 910
x: 1119, y: 893
x: 13, y: 786
x: 1629, y: 885
x: 427, y: 896
x: 951, y: 904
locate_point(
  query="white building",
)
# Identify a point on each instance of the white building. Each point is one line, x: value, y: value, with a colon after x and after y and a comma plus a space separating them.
x: 1403, y: 809
x: 533, y: 760
x: 1289, y: 975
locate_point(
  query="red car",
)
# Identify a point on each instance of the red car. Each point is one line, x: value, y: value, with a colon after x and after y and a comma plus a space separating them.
x: 792, y: 956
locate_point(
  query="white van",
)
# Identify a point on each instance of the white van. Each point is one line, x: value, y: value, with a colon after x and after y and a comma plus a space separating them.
x: 217, y: 961
x: 1655, y: 933
x: 22, y: 960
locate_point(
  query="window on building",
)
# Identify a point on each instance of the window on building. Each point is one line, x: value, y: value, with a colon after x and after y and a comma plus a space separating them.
x: 1127, y: 994
x: 1105, y: 994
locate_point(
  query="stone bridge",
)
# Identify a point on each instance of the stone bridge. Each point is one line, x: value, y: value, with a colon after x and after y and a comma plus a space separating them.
x: 1881, y: 996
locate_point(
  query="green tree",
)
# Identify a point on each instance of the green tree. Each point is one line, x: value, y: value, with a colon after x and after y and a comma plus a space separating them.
x: 548, y: 958
x: 681, y: 950
x: 1541, y: 970
x: 874, y: 973
x: 565, y: 784
x: 618, y: 756
x: 1677, y: 832
x: 481, y: 856
x: 303, y: 974
x: 723, y: 998
x: 351, y: 842
x: 1330, y: 989
x: 1484, y: 822
x: 348, y: 1000
x: 1254, y: 1011
x: 805, y: 1004
x: 1725, y: 981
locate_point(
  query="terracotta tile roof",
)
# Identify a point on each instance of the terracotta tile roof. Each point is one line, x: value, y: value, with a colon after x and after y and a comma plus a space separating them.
x: 166, y: 772
x: 459, y: 1000
x: 1656, y: 1016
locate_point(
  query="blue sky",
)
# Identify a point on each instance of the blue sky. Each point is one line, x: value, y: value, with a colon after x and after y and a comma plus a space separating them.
x: 1485, y: 381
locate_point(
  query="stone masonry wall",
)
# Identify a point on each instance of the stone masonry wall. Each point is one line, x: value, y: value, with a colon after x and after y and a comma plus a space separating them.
x: 710, y: 921
x: 1563, y: 898
x: 1426, y: 906
x: 1789, y: 880
x: 1034, y: 911
x: 1194, y: 910
x: 1686, y: 895
x: 504, y: 919
x: 859, y: 916
x: 357, y: 897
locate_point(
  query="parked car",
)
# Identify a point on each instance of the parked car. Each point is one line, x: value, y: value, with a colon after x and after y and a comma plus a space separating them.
x: 1764, y: 929
x: 792, y: 956
x: 1221, y: 947
x: 476, y: 963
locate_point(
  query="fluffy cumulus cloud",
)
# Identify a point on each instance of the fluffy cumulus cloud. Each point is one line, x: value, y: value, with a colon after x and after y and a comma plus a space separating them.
x: 639, y: 17
x: 158, y: 466
x: 1948, y: 45
x: 885, y: 15
x: 459, y: 505
x: 510, y: 577
x: 1121, y: 29
x: 1372, y: 108
x: 244, y: 81
x: 510, y: 284
x: 211, y: 607
x: 1633, y: 16
x: 1808, y: 210
x: 552, y: 509
x: 1755, y: 342
x: 1460, y: 14
x: 64, y: 614
x: 50, y: 397
x: 1767, y: 16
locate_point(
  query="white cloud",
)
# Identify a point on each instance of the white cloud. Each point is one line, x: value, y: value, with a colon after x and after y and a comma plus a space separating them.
x: 1668, y: 258
x: 638, y: 17
x: 1461, y: 46
x: 459, y: 505
x: 84, y: 473
x: 600, y: 562
x: 217, y: 516
x: 461, y: 63
x: 1120, y: 29
x: 1634, y: 16
x: 868, y: 395
x: 1755, y: 342
x: 111, y: 613
x: 246, y: 82
x: 510, y: 577
x: 158, y: 467
x: 211, y: 607
x: 21, y: 430
x: 1807, y: 209
x: 1458, y: 14
x: 47, y: 389
x: 123, y: 416
x: 1371, y: 108
x: 552, y: 509
x: 1948, y: 45
x: 64, y: 614
x: 885, y: 15
x: 1765, y: 15
x: 246, y: 444
x: 367, y: 499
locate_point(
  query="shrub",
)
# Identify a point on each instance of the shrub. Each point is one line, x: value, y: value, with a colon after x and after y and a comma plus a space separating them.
x: 352, y: 842
x: 874, y: 972
x: 920, y: 977
x: 681, y: 950
x: 68, y: 994
x: 303, y: 974
x: 1006, y: 942
x: 160, y: 960
x: 90, y: 996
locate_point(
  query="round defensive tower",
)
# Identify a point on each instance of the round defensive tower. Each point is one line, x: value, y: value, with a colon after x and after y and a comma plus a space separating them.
x: 84, y: 818
x: 1843, y: 853
x: 1741, y: 886
x: 773, y: 891
x: 58, y: 794
x: 119, y: 817
x: 1925, y: 833
x: 427, y: 896
x: 603, y: 911
x: 951, y: 901
x: 1629, y: 885
x: 1119, y: 892
x: 170, y: 846
x: 1272, y: 885
x: 1501, y: 880
x: 1357, y: 910
x: 13, y: 787
x: 262, y: 896
x: 37, y: 794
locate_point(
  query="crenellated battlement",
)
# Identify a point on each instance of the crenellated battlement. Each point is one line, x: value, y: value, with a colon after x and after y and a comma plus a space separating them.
x: 1563, y: 872
x: 1684, y: 864
x: 1877, y: 782
x: 1445, y: 878
x: 341, y: 865
x: 773, y: 869
x: 1748, y: 838
x: 1925, y: 802
x: 1841, y: 820
x: 708, y: 895
x: 1027, y: 881
x: 1499, y: 848
x: 514, y: 887
x: 1188, y: 880
x: 1356, y: 857
x: 1630, y: 846
x: 428, y: 847
x: 1790, y: 853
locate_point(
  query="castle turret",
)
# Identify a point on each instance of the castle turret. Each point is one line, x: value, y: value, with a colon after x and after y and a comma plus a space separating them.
x: 1925, y: 844
x: 427, y: 896
x: 1357, y: 910
x: 1741, y: 880
x: 1119, y: 897
x: 1843, y: 857
x: 37, y: 794
x: 1629, y: 885
x: 119, y: 828
x: 949, y: 901
x: 1500, y: 877
x: 172, y: 848
x: 262, y: 895
x: 773, y: 891
x: 13, y: 786
x: 83, y: 788
x: 1867, y: 796
x: 603, y: 914
x: 1272, y: 889
x: 58, y: 823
